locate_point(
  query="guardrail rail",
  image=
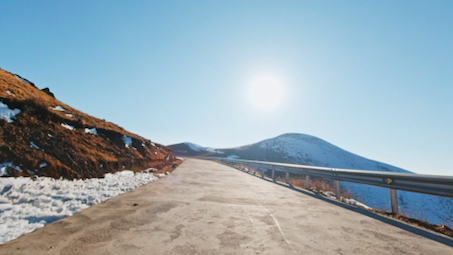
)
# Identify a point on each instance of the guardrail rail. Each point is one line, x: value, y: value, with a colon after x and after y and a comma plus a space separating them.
x: 427, y: 184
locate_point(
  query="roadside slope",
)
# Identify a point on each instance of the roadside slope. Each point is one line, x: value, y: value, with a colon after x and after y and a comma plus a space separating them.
x: 39, y: 135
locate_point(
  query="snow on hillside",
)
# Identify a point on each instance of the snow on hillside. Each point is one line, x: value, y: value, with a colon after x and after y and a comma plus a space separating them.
x: 26, y: 205
x: 67, y: 126
x: 6, y: 113
x: 310, y: 150
x: 196, y: 147
x: 4, y: 167
x: 91, y: 131
x: 58, y: 108
x: 127, y: 141
x: 23, y: 79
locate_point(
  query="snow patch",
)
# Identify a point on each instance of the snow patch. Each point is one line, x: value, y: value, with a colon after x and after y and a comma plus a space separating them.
x: 22, y: 79
x: 44, y: 164
x: 350, y: 201
x: 355, y: 203
x: 32, y: 144
x: 9, y: 92
x: 91, y: 131
x: 27, y: 205
x: 194, y: 147
x: 127, y: 141
x: 67, y: 126
x: 58, y: 108
x: 69, y: 115
x: 6, y: 113
x: 150, y: 170
x: 197, y: 147
x: 4, y: 167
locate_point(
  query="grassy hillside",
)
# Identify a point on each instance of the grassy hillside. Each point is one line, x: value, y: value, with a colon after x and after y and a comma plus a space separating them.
x: 39, y: 140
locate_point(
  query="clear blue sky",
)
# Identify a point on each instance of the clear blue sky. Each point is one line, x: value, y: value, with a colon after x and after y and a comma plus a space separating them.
x: 372, y: 77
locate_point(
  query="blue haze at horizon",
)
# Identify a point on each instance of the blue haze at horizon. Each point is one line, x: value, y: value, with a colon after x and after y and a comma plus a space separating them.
x: 372, y: 78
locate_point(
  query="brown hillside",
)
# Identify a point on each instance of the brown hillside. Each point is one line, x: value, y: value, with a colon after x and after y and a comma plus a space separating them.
x: 66, y: 153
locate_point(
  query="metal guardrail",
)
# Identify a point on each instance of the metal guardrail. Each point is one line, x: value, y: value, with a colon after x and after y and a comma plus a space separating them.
x: 428, y: 184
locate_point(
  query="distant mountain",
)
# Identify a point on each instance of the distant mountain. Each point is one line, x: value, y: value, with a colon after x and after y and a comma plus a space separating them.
x: 41, y: 136
x: 306, y: 150
x: 313, y: 151
x: 192, y: 150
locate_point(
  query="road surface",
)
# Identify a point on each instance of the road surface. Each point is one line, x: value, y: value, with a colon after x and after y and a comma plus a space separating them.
x: 207, y: 208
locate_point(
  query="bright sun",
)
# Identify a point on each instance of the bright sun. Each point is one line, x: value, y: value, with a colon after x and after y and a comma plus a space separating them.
x: 266, y: 93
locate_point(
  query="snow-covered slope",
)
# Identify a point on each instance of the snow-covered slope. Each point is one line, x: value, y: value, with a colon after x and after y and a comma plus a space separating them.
x: 197, y: 147
x: 191, y: 149
x: 310, y: 150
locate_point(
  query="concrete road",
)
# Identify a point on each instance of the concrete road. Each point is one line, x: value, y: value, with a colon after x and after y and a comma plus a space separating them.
x: 208, y: 208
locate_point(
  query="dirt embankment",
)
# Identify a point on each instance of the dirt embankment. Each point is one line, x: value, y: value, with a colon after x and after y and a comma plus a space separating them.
x: 50, y: 138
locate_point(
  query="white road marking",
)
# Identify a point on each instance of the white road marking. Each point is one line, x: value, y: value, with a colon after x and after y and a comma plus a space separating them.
x: 250, y: 216
x: 275, y: 220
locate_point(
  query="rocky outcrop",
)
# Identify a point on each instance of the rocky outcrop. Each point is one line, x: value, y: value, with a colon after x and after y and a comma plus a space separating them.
x: 47, y: 91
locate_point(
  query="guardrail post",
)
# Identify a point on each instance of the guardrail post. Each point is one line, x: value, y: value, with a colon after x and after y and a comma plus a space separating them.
x: 394, y: 201
x: 287, y: 177
x: 307, y: 181
x: 337, y: 189
x: 262, y: 173
x: 273, y: 174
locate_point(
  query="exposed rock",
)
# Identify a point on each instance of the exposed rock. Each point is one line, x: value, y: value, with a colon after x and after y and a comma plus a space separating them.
x: 25, y: 80
x: 47, y: 91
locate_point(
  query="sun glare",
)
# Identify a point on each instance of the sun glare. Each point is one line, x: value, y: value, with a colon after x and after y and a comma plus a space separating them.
x: 266, y: 93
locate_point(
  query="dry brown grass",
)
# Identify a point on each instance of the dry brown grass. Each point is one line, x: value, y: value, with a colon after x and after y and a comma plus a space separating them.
x: 71, y: 154
x: 22, y: 91
x: 317, y: 185
x: 442, y: 229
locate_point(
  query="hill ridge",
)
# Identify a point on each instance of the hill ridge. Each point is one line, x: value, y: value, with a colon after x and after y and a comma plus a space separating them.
x: 50, y: 138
